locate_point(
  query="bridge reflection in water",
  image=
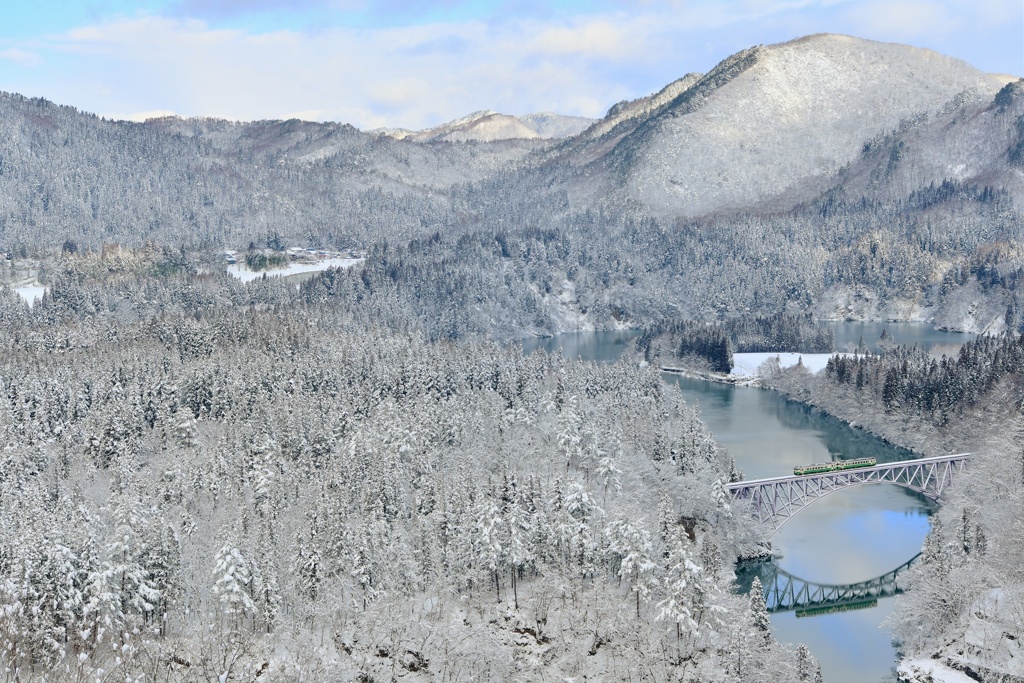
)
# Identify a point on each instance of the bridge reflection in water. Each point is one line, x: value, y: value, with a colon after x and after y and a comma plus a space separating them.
x: 784, y: 592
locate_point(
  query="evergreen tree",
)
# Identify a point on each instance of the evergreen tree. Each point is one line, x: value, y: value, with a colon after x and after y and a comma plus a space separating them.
x: 759, y: 613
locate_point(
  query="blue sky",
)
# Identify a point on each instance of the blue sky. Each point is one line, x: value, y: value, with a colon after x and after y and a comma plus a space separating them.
x: 416, y: 63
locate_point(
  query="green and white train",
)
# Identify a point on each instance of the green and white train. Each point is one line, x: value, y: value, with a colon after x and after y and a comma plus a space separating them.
x: 834, y: 466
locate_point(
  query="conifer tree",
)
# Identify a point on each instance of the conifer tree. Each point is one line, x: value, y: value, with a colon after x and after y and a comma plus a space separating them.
x: 759, y: 614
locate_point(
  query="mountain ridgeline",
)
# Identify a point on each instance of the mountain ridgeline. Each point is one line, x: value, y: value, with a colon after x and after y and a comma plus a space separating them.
x: 828, y: 175
x: 210, y: 479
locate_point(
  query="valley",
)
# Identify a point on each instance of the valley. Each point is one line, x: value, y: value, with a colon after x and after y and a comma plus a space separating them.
x: 399, y: 460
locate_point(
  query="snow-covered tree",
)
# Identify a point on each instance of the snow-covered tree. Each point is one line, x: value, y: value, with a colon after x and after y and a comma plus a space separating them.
x: 631, y: 546
x: 232, y: 585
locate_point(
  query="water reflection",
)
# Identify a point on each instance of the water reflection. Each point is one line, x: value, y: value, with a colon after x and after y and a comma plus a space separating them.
x: 846, y: 537
x: 786, y: 592
x: 602, y: 347
x: 841, y: 440
x: 849, y: 335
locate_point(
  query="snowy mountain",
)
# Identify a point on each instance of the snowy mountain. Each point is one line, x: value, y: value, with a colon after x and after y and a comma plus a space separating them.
x: 815, y: 124
x: 769, y: 126
x: 555, y: 126
x: 490, y: 126
x: 204, y: 478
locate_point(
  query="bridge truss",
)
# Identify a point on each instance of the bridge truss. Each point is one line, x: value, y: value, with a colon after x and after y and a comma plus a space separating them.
x: 775, y: 501
x: 784, y: 592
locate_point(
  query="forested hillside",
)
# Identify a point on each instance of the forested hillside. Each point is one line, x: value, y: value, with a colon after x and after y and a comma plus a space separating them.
x: 965, y: 605
x: 203, y: 480
x: 360, y: 477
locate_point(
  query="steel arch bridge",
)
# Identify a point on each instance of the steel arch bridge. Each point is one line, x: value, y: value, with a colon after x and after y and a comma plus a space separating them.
x: 777, y: 500
x: 784, y: 592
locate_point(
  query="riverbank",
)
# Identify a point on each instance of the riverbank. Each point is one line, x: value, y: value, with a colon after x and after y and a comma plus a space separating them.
x: 836, y: 540
x: 917, y: 670
x: 708, y: 376
x: 970, y: 592
x: 768, y: 432
x: 748, y: 367
x: 911, y: 431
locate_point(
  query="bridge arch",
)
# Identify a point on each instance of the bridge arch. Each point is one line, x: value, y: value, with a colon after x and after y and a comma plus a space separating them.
x: 785, y: 592
x: 777, y: 500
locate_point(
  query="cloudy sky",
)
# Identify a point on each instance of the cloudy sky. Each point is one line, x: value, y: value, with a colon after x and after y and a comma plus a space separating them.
x: 417, y: 63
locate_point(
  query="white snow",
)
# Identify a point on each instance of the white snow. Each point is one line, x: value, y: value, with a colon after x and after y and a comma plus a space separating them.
x: 242, y: 272
x: 922, y: 670
x: 993, y: 636
x: 991, y: 644
x: 746, y: 364
x: 31, y: 292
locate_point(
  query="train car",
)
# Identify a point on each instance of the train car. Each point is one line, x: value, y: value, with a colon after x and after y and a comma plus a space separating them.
x: 816, y: 468
x: 855, y: 463
x: 820, y: 467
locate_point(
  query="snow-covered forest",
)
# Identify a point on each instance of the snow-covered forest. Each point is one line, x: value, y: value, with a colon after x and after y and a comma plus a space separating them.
x: 488, y: 240
x: 360, y: 477
x: 698, y: 344
x: 964, y: 606
x: 205, y: 480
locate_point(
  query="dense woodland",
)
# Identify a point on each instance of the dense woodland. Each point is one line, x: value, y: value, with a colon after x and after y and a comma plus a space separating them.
x: 205, y: 480
x: 936, y: 392
x: 359, y: 478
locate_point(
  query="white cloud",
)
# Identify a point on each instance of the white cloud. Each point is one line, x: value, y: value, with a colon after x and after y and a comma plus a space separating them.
x: 307, y: 115
x: 421, y: 75
x: 602, y: 39
x: 409, y: 76
x: 906, y: 18
x: 22, y: 57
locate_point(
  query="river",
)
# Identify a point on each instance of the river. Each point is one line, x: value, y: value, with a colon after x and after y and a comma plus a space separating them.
x: 850, y: 536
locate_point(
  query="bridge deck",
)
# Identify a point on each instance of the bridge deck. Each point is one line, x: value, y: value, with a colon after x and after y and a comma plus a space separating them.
x: 778, y: 499
x: 750, y: 483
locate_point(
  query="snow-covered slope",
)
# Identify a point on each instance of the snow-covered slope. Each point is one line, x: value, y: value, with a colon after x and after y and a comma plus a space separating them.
x: 555, y: 126
x: 621, y: 120
x: 490, y: 126
x: 769, y: 123
x: 973, y: 140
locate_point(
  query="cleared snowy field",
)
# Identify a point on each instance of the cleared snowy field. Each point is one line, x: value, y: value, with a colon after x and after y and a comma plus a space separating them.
x: 242, y: 272
x: 31, y: 293
x: 746, y: 364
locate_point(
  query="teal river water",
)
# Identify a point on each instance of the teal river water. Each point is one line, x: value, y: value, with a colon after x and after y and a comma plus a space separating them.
x: 850, y: 536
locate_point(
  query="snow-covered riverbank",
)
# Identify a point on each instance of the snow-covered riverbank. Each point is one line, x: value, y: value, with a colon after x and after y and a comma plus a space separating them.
x: 747, y: 364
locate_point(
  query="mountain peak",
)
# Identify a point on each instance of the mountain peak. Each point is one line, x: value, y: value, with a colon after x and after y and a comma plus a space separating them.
x: 767, y: 122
